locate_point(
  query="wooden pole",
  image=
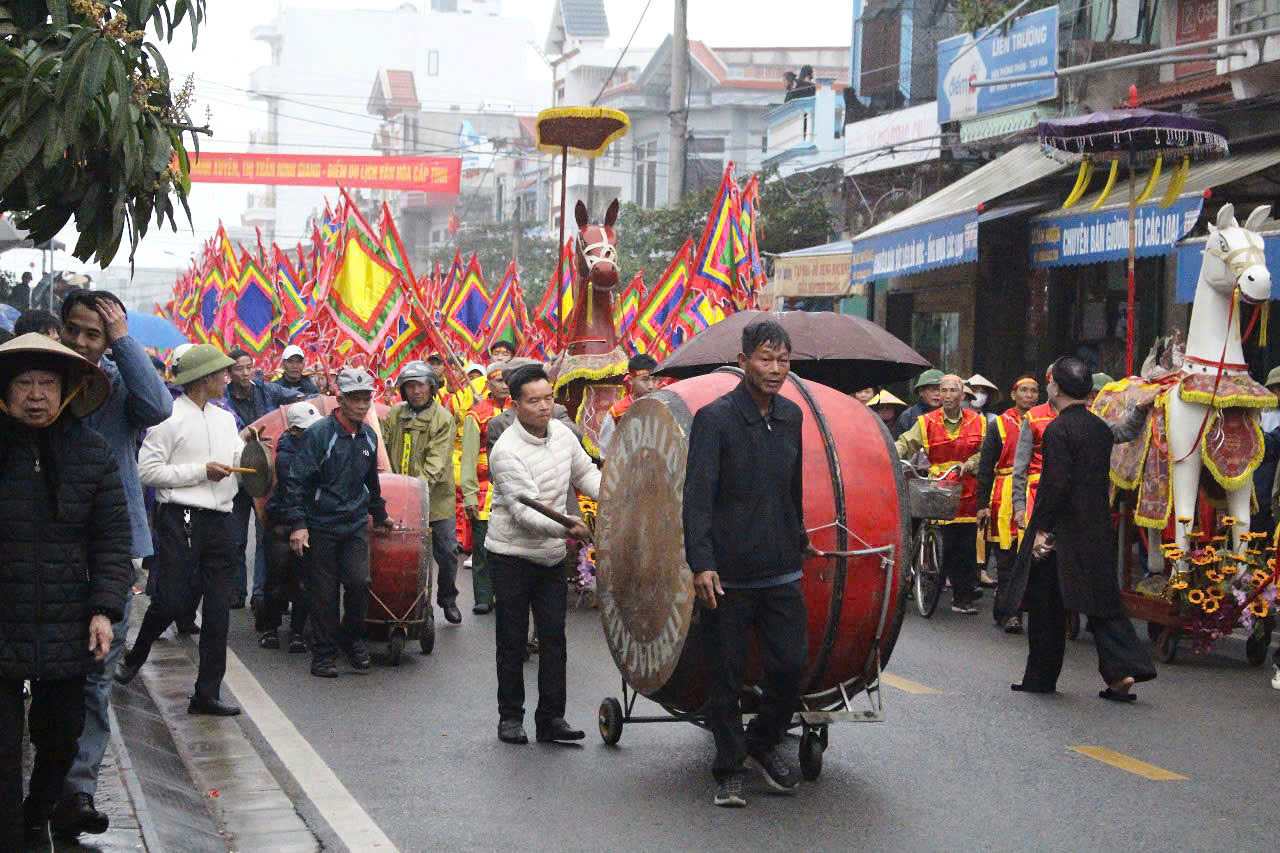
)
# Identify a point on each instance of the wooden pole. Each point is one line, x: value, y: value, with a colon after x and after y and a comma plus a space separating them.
x: 564, y: 187
x: 678, y: 104
x: 1132, y: 287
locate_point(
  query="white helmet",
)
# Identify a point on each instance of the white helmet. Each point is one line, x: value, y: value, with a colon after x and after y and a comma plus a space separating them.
x: 416, y: 371
x: 301, y: 415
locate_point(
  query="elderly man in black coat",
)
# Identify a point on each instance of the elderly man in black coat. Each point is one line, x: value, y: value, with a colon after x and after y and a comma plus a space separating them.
x: 1068, y: 556
x: 66, y: 568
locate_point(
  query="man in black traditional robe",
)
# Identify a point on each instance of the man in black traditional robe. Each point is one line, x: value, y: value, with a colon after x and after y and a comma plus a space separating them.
x: 1068, y: 555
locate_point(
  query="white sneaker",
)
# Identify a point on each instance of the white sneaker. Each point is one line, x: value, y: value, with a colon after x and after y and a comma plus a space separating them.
x: 1275, y: 678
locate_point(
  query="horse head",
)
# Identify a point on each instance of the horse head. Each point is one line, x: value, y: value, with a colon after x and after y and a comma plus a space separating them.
x: 1234, y: 256
x: 597, y: 248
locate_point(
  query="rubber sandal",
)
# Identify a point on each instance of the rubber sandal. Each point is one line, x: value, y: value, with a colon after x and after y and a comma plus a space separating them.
x: 1113, y: 696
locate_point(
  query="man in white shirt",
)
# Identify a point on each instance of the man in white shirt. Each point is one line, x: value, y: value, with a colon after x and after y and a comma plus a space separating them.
x: 188, y: 459
x: 539, y: 458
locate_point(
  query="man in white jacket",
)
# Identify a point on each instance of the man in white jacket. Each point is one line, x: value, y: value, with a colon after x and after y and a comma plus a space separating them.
x: 539, y: 458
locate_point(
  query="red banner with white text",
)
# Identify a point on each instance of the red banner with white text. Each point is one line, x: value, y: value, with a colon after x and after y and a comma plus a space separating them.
x: 418, y: 174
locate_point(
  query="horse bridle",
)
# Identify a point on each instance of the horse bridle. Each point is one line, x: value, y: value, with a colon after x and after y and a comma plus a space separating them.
x: 1237, y: 261
x: 607, y: 251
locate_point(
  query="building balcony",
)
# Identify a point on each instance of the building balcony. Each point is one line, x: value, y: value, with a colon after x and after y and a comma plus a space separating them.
x: 1257, y: 72
x: 264, y: 81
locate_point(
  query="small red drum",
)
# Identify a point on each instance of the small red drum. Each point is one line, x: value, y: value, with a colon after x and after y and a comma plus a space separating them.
x: 854, y: 499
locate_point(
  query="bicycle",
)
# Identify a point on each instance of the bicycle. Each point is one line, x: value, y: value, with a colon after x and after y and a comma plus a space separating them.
x: 932, y: 500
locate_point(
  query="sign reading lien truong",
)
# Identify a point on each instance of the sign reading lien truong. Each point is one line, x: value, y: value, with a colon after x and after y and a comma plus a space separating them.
x: 1028, y: 46
x: 417, y: 174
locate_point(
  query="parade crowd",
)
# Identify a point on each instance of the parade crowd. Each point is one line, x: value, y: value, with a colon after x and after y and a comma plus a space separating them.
x: 116, y: 466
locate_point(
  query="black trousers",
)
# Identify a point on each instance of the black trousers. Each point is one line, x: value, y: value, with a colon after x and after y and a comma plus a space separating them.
x: 1005, y: 558
x: 337, y: 564
x: 56, y: 719
x: 777, y: 614
x: 444, y: 548
x: 1120, y: 652
x: 284, y: 587
x: 195, y: 567
x: 519, y: 585
x: 960, y: 560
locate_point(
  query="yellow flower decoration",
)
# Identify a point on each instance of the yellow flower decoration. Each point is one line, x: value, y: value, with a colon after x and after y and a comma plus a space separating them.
x: 1214, y: 576
x: 1201, y: 561
x: 1196, y: 596
x: 1210, y: 606
x: 1184, y: 521
x: 1271, y: 564
x: 1216, y: 593
x: 1178, y: 583
x: 1259, y: 608
x: 1228, y: 521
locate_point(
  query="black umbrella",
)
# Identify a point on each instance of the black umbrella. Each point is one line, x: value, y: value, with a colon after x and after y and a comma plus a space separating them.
x: 846, y: 353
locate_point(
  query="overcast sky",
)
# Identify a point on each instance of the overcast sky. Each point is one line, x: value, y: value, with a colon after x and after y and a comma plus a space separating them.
x: 226, y: 53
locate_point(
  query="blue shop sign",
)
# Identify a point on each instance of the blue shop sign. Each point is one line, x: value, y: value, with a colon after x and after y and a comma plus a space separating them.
x: 1029, y: 46
x: 941, y: 243
x: 1189, y: 260
x: 1091, y: 237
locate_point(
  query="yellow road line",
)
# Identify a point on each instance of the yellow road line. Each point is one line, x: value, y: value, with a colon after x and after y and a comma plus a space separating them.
x: 906, y: 685
x: 1128, y: 763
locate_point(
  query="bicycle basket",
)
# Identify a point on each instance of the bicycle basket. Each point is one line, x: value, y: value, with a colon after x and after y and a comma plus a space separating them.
x: 936, y: 499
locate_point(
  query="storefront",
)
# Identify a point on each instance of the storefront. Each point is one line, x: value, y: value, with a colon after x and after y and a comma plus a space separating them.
x: 1078, y: 261
x: 817, y: 279
x: 949, y: 274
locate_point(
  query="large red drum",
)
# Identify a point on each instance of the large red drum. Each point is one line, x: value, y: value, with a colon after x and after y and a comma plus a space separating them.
x: 400, y: 566
x: 854, y: 499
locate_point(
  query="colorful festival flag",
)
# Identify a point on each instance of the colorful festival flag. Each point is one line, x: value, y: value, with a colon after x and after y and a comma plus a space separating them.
x: 254, y: 310
x: 467, y: 311
x: 502, y: 323
x: 721, y: 250
x: 364, y: 296
x: 664, y: 300
x: 627, y: 307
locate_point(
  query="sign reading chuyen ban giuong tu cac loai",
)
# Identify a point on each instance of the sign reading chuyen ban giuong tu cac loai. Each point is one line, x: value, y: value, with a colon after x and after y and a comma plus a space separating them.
x: 1059, y: 240
x: 1029, y: 46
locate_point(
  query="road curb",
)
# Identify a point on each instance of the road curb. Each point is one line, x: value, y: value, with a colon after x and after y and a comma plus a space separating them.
x: 151, y: 840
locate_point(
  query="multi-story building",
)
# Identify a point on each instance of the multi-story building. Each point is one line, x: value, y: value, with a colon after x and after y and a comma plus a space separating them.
x: 465, y: 55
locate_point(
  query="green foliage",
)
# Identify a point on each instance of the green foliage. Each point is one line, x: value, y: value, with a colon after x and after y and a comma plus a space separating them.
x: 492, y: 244
x: 89, y: 125
x: 976, y: 14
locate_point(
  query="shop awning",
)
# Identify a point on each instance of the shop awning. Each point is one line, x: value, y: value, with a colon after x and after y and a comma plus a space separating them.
x: 813, y: 271
x: 942, y: 230
x: 1084, y: 236
x: 1189, y: 259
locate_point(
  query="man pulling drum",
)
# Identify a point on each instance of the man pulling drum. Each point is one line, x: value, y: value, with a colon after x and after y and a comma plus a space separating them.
x: 745, y: 541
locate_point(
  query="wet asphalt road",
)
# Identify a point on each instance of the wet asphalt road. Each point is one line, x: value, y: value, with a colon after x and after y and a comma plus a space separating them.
x: 970, y: 766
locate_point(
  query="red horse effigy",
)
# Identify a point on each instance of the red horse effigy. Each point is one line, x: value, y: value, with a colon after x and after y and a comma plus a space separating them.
x: 588, y: 372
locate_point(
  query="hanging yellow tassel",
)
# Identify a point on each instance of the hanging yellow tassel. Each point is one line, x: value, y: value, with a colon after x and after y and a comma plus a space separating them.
x: 1082, y: 184
x: 1265, y: 321
x: 1107, y: 187
x: 1176, y: 183
x: 1151, y: 181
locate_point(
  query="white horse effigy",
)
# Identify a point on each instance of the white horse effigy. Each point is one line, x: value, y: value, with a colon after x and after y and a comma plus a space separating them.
x: 1205, y: 417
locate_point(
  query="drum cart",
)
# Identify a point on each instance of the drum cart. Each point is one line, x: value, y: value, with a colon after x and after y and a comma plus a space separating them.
x: 818, y: 711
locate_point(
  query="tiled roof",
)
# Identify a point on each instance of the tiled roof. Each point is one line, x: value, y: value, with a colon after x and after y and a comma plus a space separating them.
x: 1210, y: 84
x: 394, y: 91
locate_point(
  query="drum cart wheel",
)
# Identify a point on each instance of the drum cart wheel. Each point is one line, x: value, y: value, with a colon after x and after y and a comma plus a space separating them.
x: 427, y: 632
x: 813, y: 742
x: 1165, y: 638
x: 610, y: 721
x: 395, y: 645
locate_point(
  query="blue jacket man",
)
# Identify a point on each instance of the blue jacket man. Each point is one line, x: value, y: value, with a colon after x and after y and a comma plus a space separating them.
x: 92, y: 322
x: 332, y: 489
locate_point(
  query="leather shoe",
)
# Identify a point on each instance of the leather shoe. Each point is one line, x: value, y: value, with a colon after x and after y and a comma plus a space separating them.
x: 558, y: 730
x: 482, y: 609
x: 125, y: 671
x: 358, y: 657
x: 212, y: 707
x: 324, y: 669
x: 76, y: 814
x: 452, y: 614
x: 512, y: 731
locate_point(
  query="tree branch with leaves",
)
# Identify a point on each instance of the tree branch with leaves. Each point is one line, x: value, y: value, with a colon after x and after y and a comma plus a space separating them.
x: 90, y: 126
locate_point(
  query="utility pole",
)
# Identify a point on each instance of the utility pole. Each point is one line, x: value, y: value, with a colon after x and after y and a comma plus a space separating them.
x: 516, y: 229
x: 678, y: 111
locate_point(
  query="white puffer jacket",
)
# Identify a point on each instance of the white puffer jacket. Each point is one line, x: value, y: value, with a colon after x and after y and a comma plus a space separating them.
x: 521, y: 465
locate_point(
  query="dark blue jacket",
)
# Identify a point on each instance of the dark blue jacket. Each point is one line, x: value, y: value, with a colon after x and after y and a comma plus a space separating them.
x: 264, y: 397
x: 304, y: 386
x: 286, y: 449
x: 333, y: 480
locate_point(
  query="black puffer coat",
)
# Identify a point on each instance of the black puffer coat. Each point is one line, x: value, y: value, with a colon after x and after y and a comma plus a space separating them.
x: 65, y: 546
